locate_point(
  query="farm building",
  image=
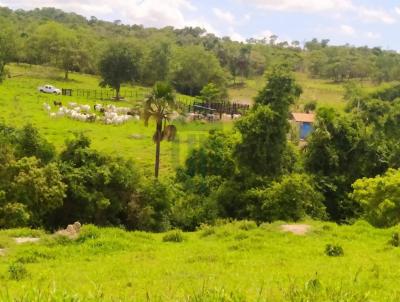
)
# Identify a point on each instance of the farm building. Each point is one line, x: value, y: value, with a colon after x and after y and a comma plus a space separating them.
x: 305, y: 123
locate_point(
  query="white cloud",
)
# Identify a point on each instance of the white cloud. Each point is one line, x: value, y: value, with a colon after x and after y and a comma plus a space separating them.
x: 372, y: 35
x: 347, y: 30
x: 371, y: 15
x: 304, y: 5
x: 225, y: 16
x: 334, y: 7
x: 397, y: 10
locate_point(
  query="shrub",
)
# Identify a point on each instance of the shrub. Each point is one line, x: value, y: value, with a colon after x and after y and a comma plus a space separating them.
x: 380, y: 198
x: 149, y: 208
x: 173, y: 236
x: 247, y: 225
x: 334, y: 250
x: 13, y: 215
x: 206, y: 230
x: 87, y: 232
x: 17, y: 271
x: 395, y: 240
x: 291, y: 199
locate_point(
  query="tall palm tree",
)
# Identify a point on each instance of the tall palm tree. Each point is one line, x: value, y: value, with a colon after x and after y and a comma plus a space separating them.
x: 159, y: 106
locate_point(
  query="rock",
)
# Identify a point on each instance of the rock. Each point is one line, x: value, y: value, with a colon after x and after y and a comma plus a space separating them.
x: 72, y: 230
x: 20, y: 240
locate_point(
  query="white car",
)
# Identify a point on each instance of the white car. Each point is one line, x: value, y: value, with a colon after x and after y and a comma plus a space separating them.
x: 49, y: 89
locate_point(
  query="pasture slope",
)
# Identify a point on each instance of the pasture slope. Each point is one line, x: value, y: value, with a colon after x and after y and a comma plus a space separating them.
x: 238, y: 261
x: 21, y: 103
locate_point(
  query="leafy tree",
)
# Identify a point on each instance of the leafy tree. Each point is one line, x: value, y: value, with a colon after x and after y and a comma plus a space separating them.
x: 159, y: 106
x: 157, y: 63
x: 194, y: 202
x: 31, y: 143
x: 380, y: 198
x: 149, y: 207
x: 264, y: 130
x: 58, y: 45
x: 213, y: 157
x: 339, y: 151
x: 193, y: 68
x: 99, y: 187
x: 40, y: 189
x: 211, y: 94
x: 119, y: 64
x: 14, y: 215
x: 7, y: 47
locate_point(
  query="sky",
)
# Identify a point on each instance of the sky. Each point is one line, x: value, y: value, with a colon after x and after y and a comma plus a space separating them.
x: 367, y: 22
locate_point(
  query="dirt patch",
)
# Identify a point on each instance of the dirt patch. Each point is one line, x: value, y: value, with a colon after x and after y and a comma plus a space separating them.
x: 21, y: 240
x: 2, y: 252
x: 297, y: 229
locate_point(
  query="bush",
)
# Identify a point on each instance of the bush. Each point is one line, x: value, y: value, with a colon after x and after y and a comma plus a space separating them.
x: 380, y: 198
x: 173, y: 236
x: 292, y: 199
x: 247, y: 225
x: 149, y: 208
x: 17, y: 271
x: 206, y: 230
x: 87, y: 232
x: 395, y: 240
x: 333, y: 250
x: 14, y: 215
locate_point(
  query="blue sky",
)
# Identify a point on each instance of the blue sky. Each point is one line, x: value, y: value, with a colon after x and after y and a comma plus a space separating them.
x: 368, y: 22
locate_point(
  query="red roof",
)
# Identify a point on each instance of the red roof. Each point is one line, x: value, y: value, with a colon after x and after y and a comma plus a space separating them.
x: 304, y: 117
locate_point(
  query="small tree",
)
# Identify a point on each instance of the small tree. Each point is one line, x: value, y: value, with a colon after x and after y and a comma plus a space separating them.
x: 159, y: 106
x: 119, y: 64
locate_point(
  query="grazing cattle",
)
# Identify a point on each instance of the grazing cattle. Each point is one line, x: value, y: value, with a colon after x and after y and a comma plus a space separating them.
x: 85, y: 108
x: 91, y: 118
x: 46, y: 107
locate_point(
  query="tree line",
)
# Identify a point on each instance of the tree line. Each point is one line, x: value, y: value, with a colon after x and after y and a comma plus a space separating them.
x: 190, y: 57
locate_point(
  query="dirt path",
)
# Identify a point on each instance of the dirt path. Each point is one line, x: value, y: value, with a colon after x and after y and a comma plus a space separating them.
x: 20, y: 240
x: 297, y: 229
x: 2, y: 252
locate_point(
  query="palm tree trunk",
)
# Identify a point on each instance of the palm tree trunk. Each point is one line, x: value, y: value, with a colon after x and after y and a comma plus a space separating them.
x: 117, y: 89
x: 158, y: 146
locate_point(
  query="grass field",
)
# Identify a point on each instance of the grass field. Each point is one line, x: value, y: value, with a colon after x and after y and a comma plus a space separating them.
x: 20, y: 103
x: 230, y: 262
x: 326, y: 93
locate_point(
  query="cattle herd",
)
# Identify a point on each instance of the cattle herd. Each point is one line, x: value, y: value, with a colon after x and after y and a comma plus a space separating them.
x: 108, y: 114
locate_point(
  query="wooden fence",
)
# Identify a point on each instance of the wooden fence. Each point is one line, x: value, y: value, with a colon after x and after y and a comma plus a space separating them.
x: 185, y: 103
x: 109, y: 94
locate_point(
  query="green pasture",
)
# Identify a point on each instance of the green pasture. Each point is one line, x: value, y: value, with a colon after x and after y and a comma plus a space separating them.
x: 231, y: 262
x: 21, y: 103
x: 325, y: 92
